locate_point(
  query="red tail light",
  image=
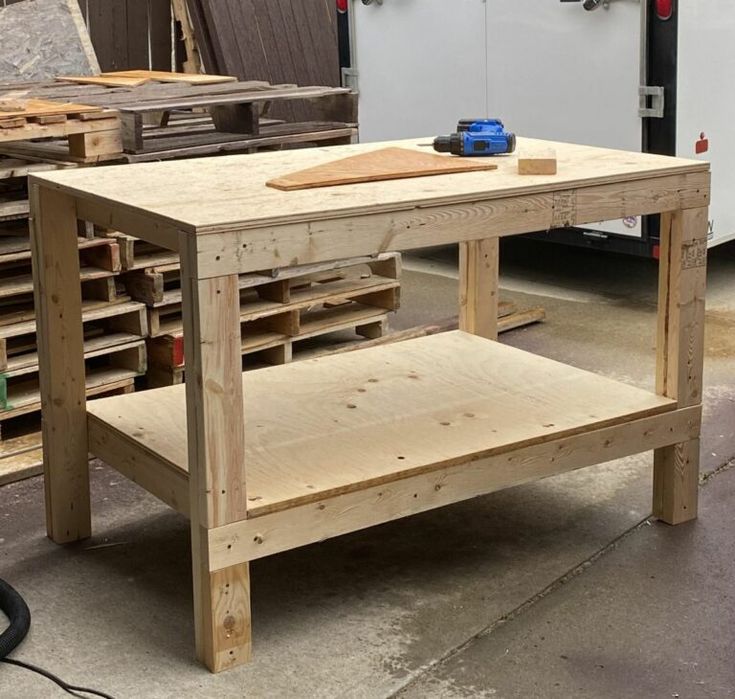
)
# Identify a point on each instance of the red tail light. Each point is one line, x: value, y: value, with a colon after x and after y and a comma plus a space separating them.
x: 664, y: 9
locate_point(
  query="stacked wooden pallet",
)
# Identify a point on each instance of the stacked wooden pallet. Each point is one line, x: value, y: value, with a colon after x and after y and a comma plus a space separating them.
x: 164, y: 120
x: 83, y: 132
x: 280, y: 311
x: 114, y: 340
x: 114, y: 327
x: 126, y: 283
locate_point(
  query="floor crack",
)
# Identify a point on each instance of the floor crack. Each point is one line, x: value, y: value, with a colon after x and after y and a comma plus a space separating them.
x: 705, y: 478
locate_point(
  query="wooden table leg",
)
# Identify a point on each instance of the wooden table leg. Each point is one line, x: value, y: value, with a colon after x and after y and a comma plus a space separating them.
x: 216, y: 450
x: 680, y: 355
x: 61, y: 363
x: 478, y: 287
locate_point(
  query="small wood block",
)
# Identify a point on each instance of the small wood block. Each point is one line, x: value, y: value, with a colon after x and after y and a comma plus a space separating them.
x: 542, y: 162
x: 236, y: 118
x: 131, y: 127
x: 95, y: 116
x: 50, y: 119
x: 379, y: 165
x: 95, y: 143
x: 11, y: 123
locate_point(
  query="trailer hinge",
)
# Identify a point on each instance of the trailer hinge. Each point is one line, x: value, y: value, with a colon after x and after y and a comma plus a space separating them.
x: 651, y: 102
x: 349, y: 78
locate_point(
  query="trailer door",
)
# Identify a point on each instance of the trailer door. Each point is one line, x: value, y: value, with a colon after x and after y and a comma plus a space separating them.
x: 560, y: 72
x: 421, y: 65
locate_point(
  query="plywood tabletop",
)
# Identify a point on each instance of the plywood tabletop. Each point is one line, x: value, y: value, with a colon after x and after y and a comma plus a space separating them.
x: 226, y: 193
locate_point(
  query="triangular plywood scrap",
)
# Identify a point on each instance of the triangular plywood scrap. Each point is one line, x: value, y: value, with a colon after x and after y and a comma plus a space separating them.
x: 378, y: 165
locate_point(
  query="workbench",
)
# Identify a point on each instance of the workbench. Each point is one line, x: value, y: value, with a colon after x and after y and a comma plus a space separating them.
x: 331, y: 445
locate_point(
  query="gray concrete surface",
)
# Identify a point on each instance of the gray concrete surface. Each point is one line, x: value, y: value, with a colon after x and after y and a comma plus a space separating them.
x: 428, y: 606
x: 654, y: 617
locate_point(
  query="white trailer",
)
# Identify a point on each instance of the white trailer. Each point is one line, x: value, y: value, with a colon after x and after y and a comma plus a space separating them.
x: 647, y: 75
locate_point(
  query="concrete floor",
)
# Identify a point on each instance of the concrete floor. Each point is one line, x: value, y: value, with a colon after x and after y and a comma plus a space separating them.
x: 561, y: 588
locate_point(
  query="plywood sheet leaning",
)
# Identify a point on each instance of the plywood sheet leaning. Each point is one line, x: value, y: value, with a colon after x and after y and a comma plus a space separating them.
x: 42, y: 39
x: 384, y: 164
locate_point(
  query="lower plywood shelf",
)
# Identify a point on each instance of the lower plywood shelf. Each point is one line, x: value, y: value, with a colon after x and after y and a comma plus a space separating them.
x: 325, y: 427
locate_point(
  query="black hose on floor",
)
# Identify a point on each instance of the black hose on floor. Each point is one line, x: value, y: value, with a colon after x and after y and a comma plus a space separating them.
x: 16, y: 609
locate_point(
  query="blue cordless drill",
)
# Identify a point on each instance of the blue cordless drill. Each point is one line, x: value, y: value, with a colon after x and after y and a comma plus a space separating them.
x: 477, y: 137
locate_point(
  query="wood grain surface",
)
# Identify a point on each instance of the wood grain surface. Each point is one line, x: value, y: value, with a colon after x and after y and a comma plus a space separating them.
x: 328, y: 425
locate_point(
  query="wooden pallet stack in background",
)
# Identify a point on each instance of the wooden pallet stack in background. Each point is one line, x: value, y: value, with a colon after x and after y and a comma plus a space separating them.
x: 115, y: 327
x: 126, y: 283
x: 83, y: 132
x: 280, y: 311
x: 114, y: 340
x: 184, y: 116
